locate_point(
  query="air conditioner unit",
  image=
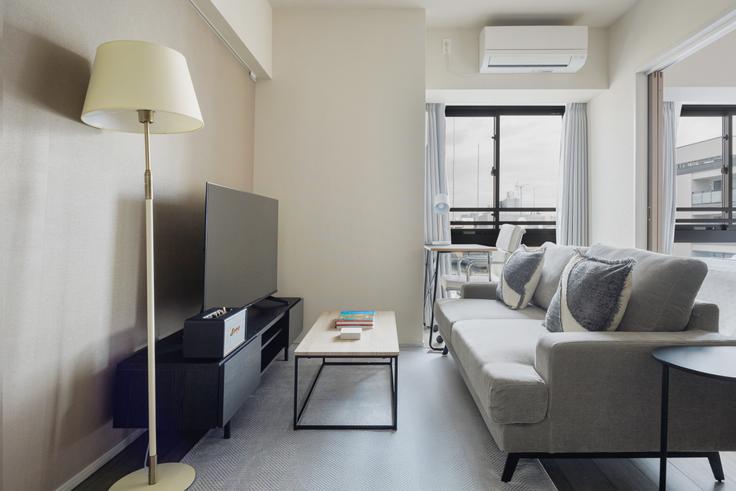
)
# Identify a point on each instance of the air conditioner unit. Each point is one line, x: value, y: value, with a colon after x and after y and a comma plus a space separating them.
x: 529, y: 49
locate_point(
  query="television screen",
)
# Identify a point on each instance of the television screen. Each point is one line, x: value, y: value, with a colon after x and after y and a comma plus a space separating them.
x: 241, y: 234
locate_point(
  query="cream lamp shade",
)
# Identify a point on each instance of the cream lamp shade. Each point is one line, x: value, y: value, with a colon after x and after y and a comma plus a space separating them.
x: 128, y: 76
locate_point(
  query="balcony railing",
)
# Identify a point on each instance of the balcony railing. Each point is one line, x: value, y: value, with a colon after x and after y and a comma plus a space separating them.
x: 480, y: 225
x: 494, y: 217
x: 705, y: 224
x: 706, y: 197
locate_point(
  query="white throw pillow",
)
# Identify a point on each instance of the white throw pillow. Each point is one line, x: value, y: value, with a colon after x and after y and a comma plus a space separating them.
x: 519, y: 277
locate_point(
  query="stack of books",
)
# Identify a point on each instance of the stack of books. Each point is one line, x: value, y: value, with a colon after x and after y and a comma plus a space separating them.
x: 356, y: 318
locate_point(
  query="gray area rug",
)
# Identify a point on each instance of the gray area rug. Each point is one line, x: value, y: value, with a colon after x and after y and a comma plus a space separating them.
x: 441, y: 444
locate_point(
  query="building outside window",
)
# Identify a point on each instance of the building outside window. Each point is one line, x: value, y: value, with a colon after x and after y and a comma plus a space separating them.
x: 705, y: 214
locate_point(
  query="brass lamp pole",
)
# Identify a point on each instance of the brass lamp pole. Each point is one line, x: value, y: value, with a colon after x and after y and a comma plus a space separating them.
x: 145, y: 116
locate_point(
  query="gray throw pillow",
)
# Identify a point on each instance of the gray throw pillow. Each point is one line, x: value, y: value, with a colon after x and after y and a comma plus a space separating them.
x: 519, y: 277
x: 592, y: 295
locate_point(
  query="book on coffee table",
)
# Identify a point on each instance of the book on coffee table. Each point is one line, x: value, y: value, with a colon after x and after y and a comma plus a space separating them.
x: 355, y: 318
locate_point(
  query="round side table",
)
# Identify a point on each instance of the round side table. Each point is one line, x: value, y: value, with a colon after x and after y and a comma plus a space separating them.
x: 717, y: 362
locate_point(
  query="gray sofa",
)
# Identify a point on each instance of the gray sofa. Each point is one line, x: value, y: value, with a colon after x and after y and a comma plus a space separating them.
x: 592, y: 393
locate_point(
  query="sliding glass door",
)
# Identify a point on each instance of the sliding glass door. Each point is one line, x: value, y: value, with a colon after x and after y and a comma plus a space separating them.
x: 705, y: 184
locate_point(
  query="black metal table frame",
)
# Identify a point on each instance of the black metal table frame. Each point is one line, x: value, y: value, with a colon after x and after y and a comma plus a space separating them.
x: 714, y: 459
x: 433, y: 280
x: 393, y: 363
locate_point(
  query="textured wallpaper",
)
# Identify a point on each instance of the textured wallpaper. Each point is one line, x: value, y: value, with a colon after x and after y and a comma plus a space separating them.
x: 72, y: 264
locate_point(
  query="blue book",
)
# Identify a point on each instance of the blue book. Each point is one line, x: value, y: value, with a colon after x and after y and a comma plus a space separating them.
x: 358, y: 312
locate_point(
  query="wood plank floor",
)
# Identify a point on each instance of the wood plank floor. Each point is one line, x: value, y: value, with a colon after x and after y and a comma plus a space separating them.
x: 639, y: 474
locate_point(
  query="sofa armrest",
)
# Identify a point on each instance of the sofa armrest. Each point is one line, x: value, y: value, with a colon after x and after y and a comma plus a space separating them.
x: 479, y: 290
x: 704, y: 317
x: 604, y: 392
x: 557, y: 352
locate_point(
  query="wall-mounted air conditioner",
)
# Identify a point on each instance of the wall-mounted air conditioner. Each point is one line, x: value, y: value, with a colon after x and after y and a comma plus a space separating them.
x: 528, y: 49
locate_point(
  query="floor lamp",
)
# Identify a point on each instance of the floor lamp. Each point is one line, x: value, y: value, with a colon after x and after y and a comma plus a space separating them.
x: 140, y: 87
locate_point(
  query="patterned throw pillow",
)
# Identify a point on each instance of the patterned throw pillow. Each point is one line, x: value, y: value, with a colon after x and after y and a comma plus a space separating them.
x: 592, y: 295
x: 519, y: 277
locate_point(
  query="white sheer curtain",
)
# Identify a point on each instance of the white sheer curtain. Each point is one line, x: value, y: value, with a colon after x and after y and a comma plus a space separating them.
x: 572, y: 211
x: 436, y: 226
x: 671, y: 115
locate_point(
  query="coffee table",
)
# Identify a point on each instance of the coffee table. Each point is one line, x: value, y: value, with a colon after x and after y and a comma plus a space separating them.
x: 323, y: 341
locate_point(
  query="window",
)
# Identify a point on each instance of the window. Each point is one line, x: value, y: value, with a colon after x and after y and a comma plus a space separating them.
x: 704, y: 157
x: 469, y: 155
x: 503, y: 167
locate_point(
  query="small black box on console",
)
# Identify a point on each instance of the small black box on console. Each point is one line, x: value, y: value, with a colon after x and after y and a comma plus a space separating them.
x: 214, y: 333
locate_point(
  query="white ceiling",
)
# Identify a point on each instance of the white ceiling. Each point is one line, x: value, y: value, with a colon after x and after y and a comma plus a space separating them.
x: 476, y: 13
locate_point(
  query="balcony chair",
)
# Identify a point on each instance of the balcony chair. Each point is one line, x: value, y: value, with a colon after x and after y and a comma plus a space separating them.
x: 474, y: 268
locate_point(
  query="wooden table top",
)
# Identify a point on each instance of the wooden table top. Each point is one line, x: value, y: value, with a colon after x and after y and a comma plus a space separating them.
x: 458, y: 248
x: 709, y: 361
x: 324, y: 340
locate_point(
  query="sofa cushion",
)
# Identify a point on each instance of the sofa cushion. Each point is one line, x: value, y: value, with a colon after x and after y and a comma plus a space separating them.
x: 519, y: 277
x: 449, y: 311
x: 498, y: 358
x: 555, y: 259
x: 592, y: 296
x: 663, y: 288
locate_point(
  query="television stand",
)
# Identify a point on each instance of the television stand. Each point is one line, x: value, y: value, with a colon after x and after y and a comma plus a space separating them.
x: 199, y: 394
x: 282, y: 301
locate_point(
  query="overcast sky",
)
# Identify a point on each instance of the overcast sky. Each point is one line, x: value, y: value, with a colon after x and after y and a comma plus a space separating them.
x: 696, y: 129
x: 530, y: 148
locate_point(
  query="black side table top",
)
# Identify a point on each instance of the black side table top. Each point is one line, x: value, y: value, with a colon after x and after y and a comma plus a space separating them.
x: 710, y: 361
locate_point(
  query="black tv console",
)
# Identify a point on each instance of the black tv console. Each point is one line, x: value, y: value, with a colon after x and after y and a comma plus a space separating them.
x: 197, y: 394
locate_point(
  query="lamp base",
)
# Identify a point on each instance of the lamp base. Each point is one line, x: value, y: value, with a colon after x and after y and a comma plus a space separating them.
x: 169, y: 477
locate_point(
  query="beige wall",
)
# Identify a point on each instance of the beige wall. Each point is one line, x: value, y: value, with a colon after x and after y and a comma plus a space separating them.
x: 340, y: 144
x: 706, y: 68
x: 618, y: 165
x: 704, y: 77
x: 71, y: 214
x: 460, y: 70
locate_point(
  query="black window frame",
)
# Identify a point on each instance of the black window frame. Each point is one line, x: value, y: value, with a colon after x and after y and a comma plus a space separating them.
x: 487, y: 236
x: 712, y: 230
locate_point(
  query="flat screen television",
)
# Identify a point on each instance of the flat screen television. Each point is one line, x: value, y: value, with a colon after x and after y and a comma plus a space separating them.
x: 241, y: 239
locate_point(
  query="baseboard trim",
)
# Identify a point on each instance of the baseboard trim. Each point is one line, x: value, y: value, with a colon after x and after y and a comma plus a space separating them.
x: 100, y: 461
